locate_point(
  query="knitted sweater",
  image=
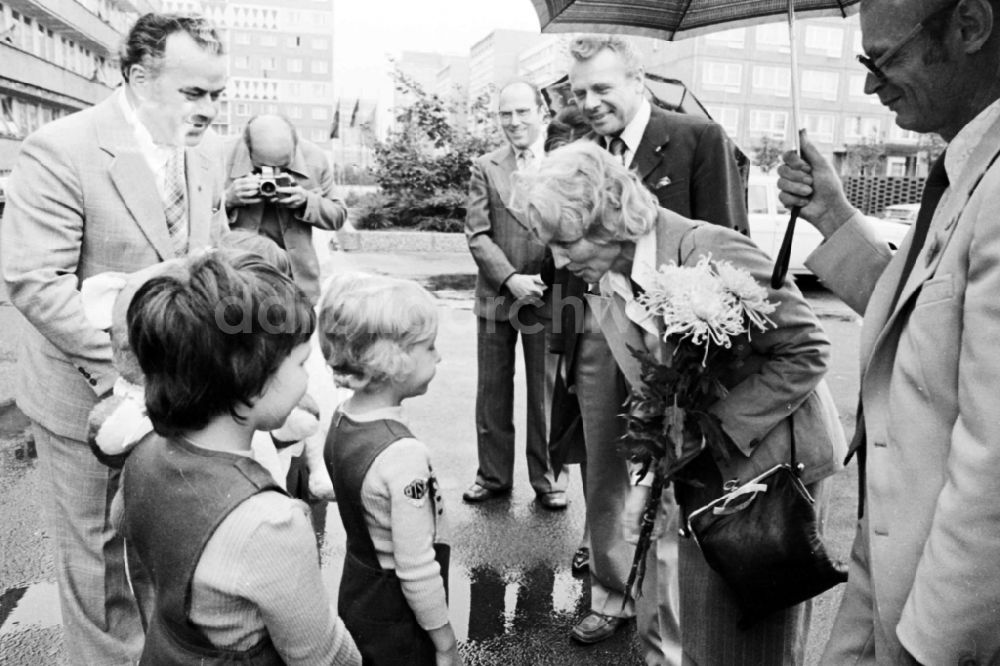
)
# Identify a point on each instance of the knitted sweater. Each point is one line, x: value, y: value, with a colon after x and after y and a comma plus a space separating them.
x: 403, y: 529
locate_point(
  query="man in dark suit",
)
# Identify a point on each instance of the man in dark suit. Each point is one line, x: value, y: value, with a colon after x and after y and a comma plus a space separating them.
x: 117, y: 187
x: 688, y: 164
x: 509, y: 303
x: 288, y: 216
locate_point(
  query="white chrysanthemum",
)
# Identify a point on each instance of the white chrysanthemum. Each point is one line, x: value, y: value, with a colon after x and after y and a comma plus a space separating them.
x: 706, y: 303
x: 750, y: 294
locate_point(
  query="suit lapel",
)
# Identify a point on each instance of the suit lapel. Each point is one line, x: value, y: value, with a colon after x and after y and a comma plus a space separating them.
x: 132, y: 177
x: 199, y: 196
x: 654, y: 142
x: 621, y: 334
x: 504, y: 167
x: 881, y: 320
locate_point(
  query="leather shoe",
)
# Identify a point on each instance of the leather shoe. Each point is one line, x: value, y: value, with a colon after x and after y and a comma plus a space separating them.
x: 595, y: 627
x: 477, y: 493
x: 554, y: 501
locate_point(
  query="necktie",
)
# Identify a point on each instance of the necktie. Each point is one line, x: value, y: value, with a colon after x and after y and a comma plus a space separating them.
x: 934, y: 187
x: 524, y: 159
x: 175, y: 201
x: 617, y: 148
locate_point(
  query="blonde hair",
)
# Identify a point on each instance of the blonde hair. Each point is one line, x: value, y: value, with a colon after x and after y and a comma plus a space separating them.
x: 581, y: 191
x: 369, y: 323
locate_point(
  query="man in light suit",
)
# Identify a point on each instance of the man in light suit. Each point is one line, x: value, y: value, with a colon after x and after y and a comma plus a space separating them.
x: 116, y: 187
x: 288, y: 217
x: 924, y: 582
x: 688, y: 164
x: 509, y: 303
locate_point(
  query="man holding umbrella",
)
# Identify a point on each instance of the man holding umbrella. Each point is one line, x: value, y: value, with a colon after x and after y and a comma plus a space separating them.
x: 924, y: 582
x: 688, y: 164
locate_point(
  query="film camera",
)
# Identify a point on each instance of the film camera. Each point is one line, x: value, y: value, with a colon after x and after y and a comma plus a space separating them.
x: 271, y: 178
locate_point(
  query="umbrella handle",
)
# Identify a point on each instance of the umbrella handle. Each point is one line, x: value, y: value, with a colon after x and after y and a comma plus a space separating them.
x: 785, y: 253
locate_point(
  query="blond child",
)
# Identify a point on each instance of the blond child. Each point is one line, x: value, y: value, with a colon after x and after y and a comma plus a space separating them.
x: 377, y: 335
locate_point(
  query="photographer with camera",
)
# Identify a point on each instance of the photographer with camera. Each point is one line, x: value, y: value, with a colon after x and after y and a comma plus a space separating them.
x: 281, y: 186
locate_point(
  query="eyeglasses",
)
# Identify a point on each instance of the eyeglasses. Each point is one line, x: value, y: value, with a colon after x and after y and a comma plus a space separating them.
x: 877, y: 65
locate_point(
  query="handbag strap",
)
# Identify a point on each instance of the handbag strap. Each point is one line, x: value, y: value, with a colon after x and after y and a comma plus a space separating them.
x: 791, y: 443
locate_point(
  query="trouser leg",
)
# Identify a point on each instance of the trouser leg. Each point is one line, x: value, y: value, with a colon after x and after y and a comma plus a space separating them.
x: 601, y: 392
x: 495, y: 403
x: 539, y: 374
x: 99, y: 613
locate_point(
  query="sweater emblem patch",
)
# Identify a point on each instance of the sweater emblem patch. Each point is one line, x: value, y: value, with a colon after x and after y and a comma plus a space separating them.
x: 416, y: 492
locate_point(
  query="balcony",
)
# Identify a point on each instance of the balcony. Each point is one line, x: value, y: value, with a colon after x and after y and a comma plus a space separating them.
x: 22, y: 73
x: 70, y: 17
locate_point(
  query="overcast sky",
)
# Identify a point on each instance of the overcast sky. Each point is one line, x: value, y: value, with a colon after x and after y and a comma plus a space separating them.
x: 367, y: 31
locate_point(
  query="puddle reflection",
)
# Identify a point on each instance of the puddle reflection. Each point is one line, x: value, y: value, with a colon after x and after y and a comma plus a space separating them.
x: 486, y: 604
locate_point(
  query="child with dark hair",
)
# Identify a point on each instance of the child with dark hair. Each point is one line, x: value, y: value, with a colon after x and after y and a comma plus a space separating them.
x: 222, y: 339
x: 294, y: 452
x: 377, y: 334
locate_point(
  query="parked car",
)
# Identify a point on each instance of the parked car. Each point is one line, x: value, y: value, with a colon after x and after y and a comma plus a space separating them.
x: 904, y: 213
x: 769, y: 219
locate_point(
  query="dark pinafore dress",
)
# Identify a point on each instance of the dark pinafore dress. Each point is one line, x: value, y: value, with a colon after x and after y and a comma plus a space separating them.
x: 371, y: 601
x: 176, y: 496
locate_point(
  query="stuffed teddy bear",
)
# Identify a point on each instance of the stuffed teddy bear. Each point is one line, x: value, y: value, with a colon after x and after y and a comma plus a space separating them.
x: 119, y: 422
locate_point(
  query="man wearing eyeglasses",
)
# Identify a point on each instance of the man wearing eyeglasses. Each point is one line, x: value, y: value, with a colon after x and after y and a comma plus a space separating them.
x: 924, y: 581
x: 509, y: 304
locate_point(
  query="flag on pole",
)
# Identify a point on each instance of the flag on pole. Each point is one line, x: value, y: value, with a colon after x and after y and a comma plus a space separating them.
x: 335, y: 127
x: 354, y: 113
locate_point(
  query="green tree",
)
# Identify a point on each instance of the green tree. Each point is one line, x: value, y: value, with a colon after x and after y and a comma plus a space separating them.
x: 767, y: 152
x: 422, y: 167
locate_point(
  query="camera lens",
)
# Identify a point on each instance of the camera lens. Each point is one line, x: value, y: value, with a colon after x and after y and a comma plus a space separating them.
x: 268, y: 188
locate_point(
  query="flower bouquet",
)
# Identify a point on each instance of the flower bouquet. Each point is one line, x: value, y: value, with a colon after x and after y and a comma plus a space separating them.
x: 701, y: 310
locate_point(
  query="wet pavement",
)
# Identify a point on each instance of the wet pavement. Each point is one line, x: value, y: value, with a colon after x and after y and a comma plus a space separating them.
x: 513, y: 598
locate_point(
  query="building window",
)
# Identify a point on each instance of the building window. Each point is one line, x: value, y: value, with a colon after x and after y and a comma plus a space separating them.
x: 319, y: 113
x: 241, y: 37
x: 294, y: 64
x: 858, y: 49
x: 897, y: 133
x: 268, y: 39
x: 319, y: 67
x: 728, y: 117
x: 320, y: 44
x: 243, y: 109
x: 734, y: 39
x: 294, y: 111
x: 271, y: 108
x: 771, y: 123
x: 268, y: 63
x: 294, y: 89
x: 820, y: 84
x: 773, y: 37
x: 722, y: 75
x: 856, y: 89
x: 820, y: 126
x: 826, y: 40
x: 857, y: 128
x: 293, y: 42
x: 895, y: 166
x: 775, y: 80
x: 319, y: 135
x: 319, y: 90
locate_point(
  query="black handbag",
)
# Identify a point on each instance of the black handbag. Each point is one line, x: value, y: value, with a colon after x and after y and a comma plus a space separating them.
x: 763, y: 540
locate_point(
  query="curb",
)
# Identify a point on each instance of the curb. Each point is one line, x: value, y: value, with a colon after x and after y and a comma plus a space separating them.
x: 401, y: 241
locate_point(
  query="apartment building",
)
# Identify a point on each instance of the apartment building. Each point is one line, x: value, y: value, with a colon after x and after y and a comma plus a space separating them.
x: 57, y: 57
x: 280, y: 61
x: 743, y: 77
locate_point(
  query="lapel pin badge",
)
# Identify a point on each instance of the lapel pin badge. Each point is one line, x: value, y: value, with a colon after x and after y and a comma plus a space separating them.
x: 663, y: 182
x: 933, y: 250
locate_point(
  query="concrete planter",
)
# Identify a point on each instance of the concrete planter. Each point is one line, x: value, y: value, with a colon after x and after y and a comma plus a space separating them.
x: 401, y: 241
